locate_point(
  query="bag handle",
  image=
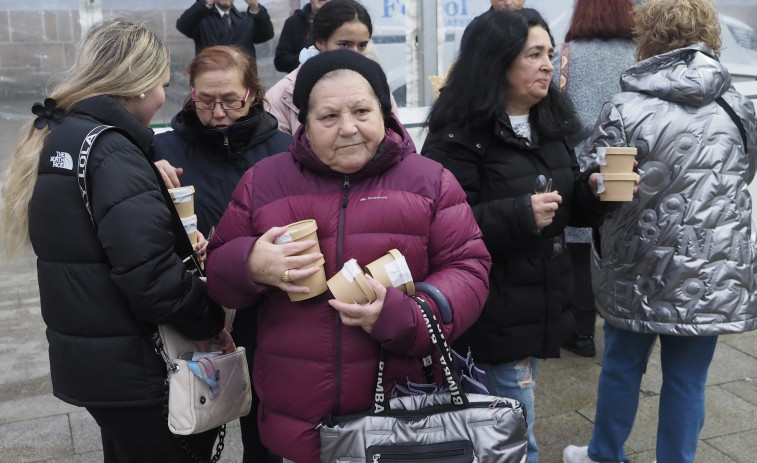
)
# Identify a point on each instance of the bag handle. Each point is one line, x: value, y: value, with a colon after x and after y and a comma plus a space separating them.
x: 459, y: 399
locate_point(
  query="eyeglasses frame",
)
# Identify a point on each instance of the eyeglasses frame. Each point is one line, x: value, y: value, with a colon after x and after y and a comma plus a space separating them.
x: 216, y: 102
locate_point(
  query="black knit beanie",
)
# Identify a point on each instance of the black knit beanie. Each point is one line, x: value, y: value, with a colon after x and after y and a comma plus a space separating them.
x: 323, y: 63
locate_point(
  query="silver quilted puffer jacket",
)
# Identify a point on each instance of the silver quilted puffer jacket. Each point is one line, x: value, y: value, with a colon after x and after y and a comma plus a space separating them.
x: 680, y: 258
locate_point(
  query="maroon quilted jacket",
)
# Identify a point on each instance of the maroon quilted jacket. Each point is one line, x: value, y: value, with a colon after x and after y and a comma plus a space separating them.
x: 307, y: 363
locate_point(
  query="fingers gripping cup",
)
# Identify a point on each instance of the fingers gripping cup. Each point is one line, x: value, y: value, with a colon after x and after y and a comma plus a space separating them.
x: 190, y: 226
x: 302, y: 231
x: 183, y: 200
x: 392, y: 271
x: 349, y: 285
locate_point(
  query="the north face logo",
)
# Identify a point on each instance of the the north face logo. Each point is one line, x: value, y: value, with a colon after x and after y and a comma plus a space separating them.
x: 62, y: 160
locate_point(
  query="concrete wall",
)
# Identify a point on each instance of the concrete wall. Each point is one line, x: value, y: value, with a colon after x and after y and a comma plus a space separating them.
x: 35, y: 45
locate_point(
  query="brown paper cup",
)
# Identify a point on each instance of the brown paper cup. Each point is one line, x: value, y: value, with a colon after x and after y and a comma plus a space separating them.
x: 349, y: 285
x: 183, y: 200
x: 619, y: 160
x: 190, y: 226
x: 618, y: 187
x: 392, y: 271
x: 306, y: 230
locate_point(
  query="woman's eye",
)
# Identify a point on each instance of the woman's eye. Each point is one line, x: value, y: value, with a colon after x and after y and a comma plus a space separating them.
x: 363, y: 46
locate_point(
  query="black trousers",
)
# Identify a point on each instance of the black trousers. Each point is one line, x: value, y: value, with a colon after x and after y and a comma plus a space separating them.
x: 141, y: 435
x: 583, y: 309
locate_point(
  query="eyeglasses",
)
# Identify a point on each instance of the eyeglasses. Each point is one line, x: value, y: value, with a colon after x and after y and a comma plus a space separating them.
x: 226, y: 105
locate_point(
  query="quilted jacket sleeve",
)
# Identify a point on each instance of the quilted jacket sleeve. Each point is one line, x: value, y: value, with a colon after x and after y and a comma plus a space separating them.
x: 229, y: 278
x: 458, y: 266
x: 134, y: 228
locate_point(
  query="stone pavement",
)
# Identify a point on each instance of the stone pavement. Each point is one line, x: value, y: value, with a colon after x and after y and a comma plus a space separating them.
x: 35, y: 426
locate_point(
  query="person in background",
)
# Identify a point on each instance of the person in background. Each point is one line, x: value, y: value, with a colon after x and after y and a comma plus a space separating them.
x: 294, y: 36
x: 107, y: 268
x: 218, y: 22
x: 597, y: 48
x: 338, y: 24
x: 500, y: 127
x: 353, y: 169
x: 677, y: 262
x: 221, y: 131
x: 497, y: 5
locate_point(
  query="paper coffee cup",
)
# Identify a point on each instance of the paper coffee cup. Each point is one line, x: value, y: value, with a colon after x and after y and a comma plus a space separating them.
x: 183, y: 200
x: 392, y: 271
x: 616, y: 159
x: 618, y: 187
x: 349, y: 285
x: 299, y: 231
x: 190, y: 226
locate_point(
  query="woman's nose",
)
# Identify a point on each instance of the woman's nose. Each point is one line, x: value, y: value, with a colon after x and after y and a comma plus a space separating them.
x: 347, y: 125
x: 218, y: 111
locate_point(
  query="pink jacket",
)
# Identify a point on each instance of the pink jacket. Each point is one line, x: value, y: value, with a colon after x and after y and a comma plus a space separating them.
x: 307, y: 363
x: 280, y: 103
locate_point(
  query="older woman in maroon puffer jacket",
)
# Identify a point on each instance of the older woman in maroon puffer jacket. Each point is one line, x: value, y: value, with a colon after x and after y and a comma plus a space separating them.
x: 353, y: 168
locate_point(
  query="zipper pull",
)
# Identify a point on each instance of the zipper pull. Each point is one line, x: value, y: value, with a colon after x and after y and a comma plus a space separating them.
x: 376, y: 457
x: 346, y: 187
x: 226, y: 143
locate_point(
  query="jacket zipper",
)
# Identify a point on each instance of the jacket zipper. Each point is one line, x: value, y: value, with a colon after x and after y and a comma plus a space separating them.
x: 226, y: 144
x: 337, y: 321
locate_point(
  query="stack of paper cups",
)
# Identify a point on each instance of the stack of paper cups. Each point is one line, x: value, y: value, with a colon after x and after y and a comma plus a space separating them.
x: 183, y: 200
x: 616, y: 170
x: 190, y: 226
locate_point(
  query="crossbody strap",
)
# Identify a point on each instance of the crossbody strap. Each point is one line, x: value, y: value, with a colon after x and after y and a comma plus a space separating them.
x: 736, y: 120
x: 183, y: 246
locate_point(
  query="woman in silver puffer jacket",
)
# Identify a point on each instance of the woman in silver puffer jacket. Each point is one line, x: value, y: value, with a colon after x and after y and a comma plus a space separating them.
x: 678, y: 261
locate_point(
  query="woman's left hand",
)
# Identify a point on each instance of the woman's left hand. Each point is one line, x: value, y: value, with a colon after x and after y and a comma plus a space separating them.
x: 362, y: 315
x: 223, y: 341
x: 201, y: 248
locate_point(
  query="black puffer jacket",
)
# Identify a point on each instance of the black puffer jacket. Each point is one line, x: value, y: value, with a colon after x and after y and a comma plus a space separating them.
x: 294, y: 37
x: 99, y: 287
x: 213, y: 160
x: 530, y: 281
x: 205, y: 26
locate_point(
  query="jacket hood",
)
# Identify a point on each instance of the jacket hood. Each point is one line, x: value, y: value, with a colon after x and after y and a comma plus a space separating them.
x: 396, y: 145
x: 245, y: 132
x: 691, y: 75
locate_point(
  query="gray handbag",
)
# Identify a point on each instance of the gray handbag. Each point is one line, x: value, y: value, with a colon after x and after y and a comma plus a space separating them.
x: 444, y: 427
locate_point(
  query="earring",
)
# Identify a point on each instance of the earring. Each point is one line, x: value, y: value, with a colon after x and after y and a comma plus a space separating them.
x: 141, y: 96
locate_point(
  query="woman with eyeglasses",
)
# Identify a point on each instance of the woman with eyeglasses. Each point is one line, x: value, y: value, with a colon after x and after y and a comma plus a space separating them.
x: 221, y: 131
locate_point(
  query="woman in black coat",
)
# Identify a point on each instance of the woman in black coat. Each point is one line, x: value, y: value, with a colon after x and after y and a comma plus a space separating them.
x: 501, y: 130
x: 107, y: 264
x: 221, y: 132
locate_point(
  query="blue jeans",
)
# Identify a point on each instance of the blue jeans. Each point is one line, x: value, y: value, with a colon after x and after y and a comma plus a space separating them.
x: 516, y: 380
x: 684, y: 360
